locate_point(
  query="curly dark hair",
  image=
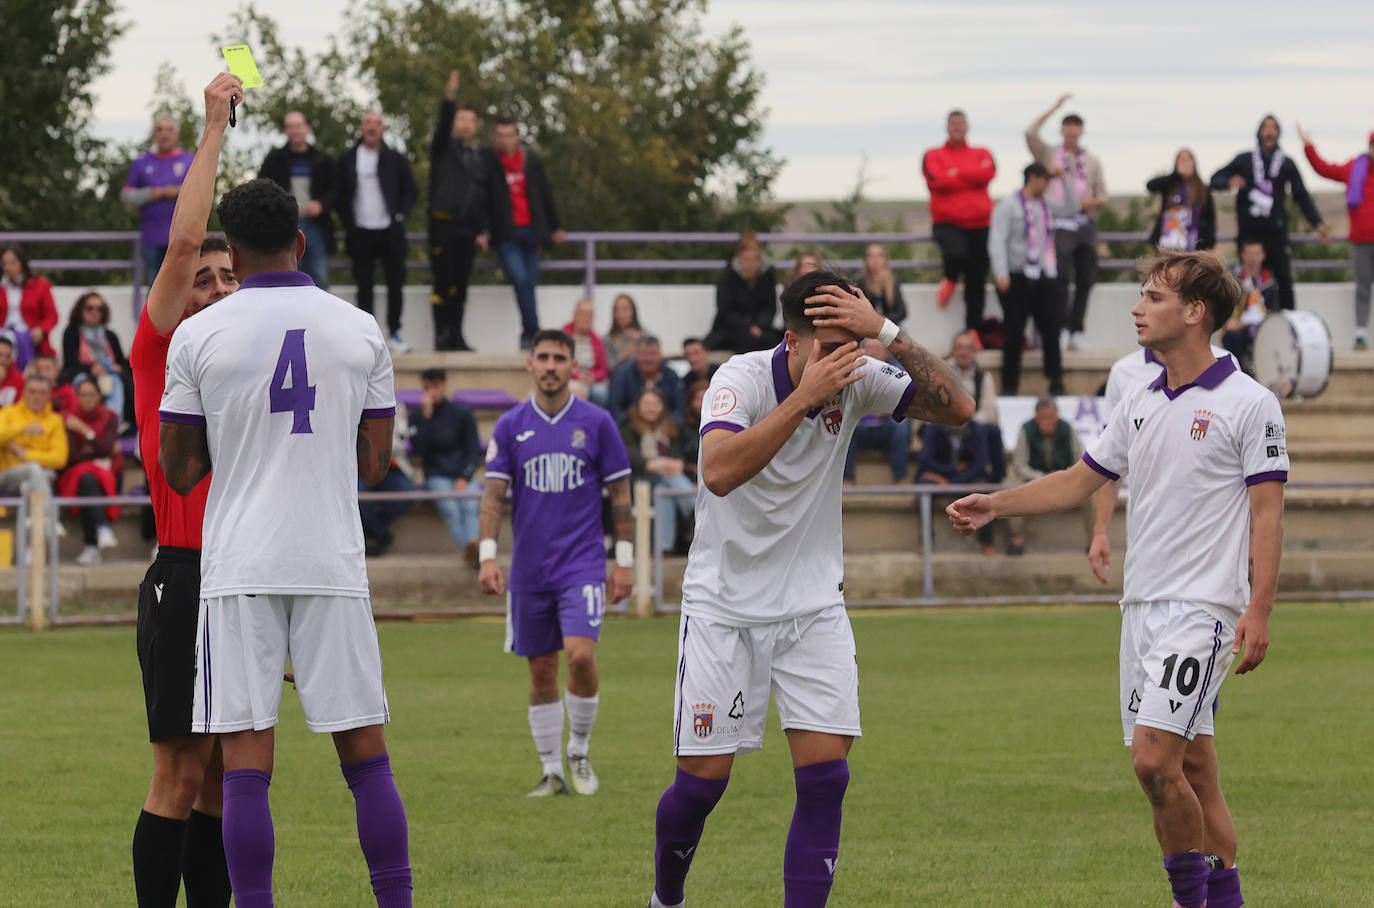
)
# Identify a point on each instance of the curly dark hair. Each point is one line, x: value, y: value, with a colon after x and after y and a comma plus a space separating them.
x: 259, y: 216
x: 795, y: 294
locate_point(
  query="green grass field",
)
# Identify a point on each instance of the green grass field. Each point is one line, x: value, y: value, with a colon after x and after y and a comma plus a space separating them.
x: 992, y: 772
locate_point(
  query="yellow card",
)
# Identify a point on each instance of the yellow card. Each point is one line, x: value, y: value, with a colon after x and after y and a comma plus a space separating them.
x: 240, y: 60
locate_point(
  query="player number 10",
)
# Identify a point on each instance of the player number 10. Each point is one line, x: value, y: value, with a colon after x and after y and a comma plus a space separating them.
x: 299, y: 399
x: 1187, y: 673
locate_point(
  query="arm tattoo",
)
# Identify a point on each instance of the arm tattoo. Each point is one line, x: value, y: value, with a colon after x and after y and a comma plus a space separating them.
x: 489, y: 517
x: 937, y: 387
x: 374, y: 456
x: 622, y: 516
x: 184, y: 454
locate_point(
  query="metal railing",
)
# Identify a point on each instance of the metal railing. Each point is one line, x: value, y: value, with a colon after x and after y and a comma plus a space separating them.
x: 590, y: 263
x: 21, y: 549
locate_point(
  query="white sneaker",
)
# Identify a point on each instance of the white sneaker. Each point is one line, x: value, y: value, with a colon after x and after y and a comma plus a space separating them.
x: 1064, y: 339
x: 655, y: 903
x: 1078, y: 343
x: 548, y: 786
x: 61, y: 530
x: 105, y: 537
x: 89, y: 555
x: 583, y: 779
x: 398, y: 344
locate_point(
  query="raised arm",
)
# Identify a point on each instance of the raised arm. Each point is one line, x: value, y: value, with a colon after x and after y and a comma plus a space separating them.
x: 1038, y: 149
x: 374, y: 448
x: 1322, y: 166
x: 183, y: 454
x: 1059, y: 491
x: 1266, y: 548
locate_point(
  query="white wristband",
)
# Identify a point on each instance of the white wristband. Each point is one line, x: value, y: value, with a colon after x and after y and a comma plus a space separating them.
x: 624, y: 553
x: 486, y: 550
x: 889, y: 332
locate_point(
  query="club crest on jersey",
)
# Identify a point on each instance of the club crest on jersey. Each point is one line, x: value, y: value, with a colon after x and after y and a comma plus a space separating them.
x: 1201, y: 420
x: 703, y: 719
x: 579, y: 438
x: 831, y: 416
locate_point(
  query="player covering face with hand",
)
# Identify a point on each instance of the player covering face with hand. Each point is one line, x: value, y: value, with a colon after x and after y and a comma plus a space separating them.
x: 763, y: 595
x: 1205, y: 447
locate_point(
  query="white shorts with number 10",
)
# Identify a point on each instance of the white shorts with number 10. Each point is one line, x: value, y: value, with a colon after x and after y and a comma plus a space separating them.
x: 725, y: 674
x: 1174, y: 656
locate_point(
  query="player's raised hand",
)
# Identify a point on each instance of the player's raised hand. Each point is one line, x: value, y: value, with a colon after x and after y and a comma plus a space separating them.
x: 971, y: 513
x: 835, y: 307
x: 621, y: 584
x: 451, y: 89
x: 1252, y: 635
x: 824, y: 376
x: 1099, y: 556
x: 489, y: 575
x: 224, y: 89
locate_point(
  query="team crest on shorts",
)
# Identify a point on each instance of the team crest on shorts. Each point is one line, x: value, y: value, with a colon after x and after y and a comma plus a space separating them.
x: 1201, y: 420
x: 579, y: 438
x: 703, y: 719
x: 831, y: 416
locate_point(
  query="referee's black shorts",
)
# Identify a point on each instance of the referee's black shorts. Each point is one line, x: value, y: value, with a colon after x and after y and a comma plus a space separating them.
x: 168, y: 610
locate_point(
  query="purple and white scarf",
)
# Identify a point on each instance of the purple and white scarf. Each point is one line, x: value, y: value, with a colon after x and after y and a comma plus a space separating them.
x: 1178, y: 223
x: 1040, y: 257
x: 1264, y: 182
x: 1079, y: 172
x: 1359, y: 173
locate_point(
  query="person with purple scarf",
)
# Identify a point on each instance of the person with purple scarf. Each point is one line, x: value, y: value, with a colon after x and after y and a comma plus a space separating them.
x: 1187, y: 217
x: 1261, y: 178
x: 1358, y: 176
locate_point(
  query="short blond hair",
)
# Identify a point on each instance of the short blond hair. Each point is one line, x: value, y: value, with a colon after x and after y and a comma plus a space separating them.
x: 1200, y: 276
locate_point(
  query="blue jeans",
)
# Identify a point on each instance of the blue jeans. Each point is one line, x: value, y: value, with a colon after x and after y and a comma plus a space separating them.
x: 460, y: 514
x: 890, y: 436
x: 667, y: 509
x: 377, y: 516
x: 315, y: 262
x: 152, y: 262
x: 520, y: 261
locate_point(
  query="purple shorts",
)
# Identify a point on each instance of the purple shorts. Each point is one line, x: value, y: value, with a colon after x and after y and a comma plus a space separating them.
x: 537, y: 622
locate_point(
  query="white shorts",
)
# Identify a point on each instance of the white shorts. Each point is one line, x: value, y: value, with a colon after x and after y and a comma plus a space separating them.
x: 243, y: 643
x: 725, y: 674
x: 1174, y: 656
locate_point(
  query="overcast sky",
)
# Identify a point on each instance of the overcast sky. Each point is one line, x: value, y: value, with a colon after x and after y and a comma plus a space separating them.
x: 875, y: 78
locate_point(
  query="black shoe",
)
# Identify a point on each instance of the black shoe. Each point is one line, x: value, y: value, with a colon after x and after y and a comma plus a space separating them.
x: 461, y: 346
x: 1057, y: 388
x: 1015, y: 548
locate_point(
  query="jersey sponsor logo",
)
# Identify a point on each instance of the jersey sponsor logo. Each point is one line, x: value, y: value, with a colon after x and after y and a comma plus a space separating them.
x: 894, y: 372
x: 179, y: 168
x: 1138, y: 420
x: 1273, y: 450
x: 737, y: 707
x: 723, y: 401
x: 579, y: 438
x: 555, y: 472
x: 1174, y: 705
x: 1201, y: 420
x: 524, y: 436
x: 703, y: 719
x: 1134, y: 705
x: 1273, y: 430
x: 157, y: 591
x: 491, y: 450
x: 685, y: 853
x: 830, y: 864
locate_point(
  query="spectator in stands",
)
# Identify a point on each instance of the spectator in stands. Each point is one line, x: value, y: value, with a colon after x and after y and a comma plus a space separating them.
x: 624, y: 333
x: 33, y: 441
x: 306, y: 172
x: 523, y: 218
x: 458, y: 186
x: 880, y: 285
x: 654, y: 442
x: 699, y: 365
x: 879, y: 431
x: 1021, y: 246
x: 378, y: 516
x: 646, y: 370
x: 958, y: 175
x: 90, y: 347
x: 444, y: 437
x: 1046, y: 444
x: 978, y: 384
x: 152, y: 187
x: 955, y: 455
x: 1358, y: 176
x: 807, y: 261
x: 1187, y: 217
x: 27, y: 309
x: 376, y: 191
x: 1075, y: 170
x: 746, y: 301
x: 11, y: 379
x: 1262, y: 178
x: 589, y: 354
x: 1261, y: 296
x: 61, y: 396
x: 93, y: 465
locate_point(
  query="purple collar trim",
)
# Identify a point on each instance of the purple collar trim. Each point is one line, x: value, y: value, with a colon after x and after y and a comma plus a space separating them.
x: 1150, y: 356
x: 277, y: 279
x: 782, y: 379
x: 1212, y: 376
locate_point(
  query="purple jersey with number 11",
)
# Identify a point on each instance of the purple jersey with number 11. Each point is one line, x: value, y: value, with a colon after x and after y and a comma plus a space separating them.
x: 280, y: 374
x: 556, y: 466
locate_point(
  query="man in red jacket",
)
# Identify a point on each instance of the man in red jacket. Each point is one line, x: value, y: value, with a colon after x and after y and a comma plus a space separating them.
x: 1358, y: 176
x: 958, y: 175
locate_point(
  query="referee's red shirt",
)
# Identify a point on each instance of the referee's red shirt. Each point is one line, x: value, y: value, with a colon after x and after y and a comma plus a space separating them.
x: 179, y: 519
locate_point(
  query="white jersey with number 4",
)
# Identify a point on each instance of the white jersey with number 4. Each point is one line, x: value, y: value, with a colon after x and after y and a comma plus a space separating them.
x: 772, y: 549
x: 280, y: 374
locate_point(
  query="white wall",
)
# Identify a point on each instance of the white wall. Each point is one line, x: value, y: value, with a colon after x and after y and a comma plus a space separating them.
x: 677, y: 311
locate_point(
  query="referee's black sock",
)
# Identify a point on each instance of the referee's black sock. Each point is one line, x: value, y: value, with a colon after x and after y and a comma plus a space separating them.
x: 203, y: 864
x: 157, y: 865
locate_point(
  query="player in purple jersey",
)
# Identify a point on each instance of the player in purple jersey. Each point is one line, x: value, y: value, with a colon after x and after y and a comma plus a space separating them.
x: 556, y: 453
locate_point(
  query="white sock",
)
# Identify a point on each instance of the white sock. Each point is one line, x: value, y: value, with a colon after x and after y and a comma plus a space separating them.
x: 581, y: 718
x: 546, y: 727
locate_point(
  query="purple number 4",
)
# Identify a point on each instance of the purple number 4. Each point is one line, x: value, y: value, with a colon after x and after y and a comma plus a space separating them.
x: 299, y: 399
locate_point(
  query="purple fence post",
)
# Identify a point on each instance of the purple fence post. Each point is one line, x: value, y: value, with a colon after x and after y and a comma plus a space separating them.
x: 589, y: 268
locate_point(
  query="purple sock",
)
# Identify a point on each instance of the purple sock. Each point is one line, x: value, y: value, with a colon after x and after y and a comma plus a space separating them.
x: 1188, y: 877
x: 813, y: 842
x: 249, y: 844
x: 1223, y: 889
x: 382, y: 830
x: 682, y: 813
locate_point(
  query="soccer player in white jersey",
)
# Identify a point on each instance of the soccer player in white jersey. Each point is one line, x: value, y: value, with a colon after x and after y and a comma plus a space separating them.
x: 763, y: 595
x: 1204, y: 446
x: 288, y: 392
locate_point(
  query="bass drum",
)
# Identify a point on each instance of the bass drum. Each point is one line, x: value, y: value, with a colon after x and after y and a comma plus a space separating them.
x: 1293, y: 354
